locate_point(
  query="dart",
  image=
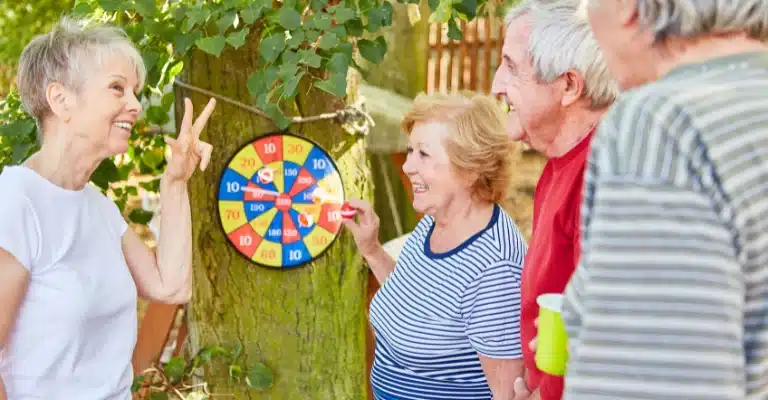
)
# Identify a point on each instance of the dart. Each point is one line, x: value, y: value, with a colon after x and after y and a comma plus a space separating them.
x: 347, y: 211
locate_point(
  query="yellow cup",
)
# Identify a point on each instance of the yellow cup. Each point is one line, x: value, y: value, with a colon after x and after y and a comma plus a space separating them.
x: 552, y: 340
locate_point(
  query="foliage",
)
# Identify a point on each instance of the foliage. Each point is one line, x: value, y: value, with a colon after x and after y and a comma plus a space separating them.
x: 315, y: 40
x: 20, y: 21
x: 181, y: 379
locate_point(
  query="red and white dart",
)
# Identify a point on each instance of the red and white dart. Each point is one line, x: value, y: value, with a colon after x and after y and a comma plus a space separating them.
x: 348, y: 211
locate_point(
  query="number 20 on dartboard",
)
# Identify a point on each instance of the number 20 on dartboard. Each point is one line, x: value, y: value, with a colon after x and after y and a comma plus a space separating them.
x: 279, y: 200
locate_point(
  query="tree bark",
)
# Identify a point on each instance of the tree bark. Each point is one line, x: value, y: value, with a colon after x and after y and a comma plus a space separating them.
x: 308, y: 323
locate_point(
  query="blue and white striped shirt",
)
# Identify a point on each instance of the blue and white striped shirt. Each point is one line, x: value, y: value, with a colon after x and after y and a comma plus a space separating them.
x: 436, y: 312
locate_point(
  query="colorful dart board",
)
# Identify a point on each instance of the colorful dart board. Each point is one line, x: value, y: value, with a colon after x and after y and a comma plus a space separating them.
x: 280, y: 201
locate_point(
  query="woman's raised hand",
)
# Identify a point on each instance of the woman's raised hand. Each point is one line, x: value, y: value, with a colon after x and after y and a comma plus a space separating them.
x: 188, y: 151
x: 366, y: 229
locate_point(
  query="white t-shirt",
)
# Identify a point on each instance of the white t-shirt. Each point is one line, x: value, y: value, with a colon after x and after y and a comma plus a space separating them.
x: 76, y: 330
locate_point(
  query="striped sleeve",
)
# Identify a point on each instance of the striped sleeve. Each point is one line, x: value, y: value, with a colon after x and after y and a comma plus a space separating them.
x: 655, y: 308
x: 491, y: 310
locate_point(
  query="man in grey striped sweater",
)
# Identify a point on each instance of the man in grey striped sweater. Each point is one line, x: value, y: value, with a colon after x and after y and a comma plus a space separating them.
x: 670, y: 299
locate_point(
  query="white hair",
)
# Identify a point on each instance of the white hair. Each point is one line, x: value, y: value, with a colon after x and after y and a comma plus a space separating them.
x: 562, y: 40
x: 690, y: 18
x: 65, y: 55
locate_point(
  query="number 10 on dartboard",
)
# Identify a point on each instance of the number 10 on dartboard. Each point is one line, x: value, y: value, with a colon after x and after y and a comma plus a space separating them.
x: 280, y: 201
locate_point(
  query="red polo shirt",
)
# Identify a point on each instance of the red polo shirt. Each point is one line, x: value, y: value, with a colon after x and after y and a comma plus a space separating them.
x: 553, y: 250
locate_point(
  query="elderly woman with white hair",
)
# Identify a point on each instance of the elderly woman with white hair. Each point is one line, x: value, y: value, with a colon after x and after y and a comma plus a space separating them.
x: 70, y: 267
x: 671, y: 297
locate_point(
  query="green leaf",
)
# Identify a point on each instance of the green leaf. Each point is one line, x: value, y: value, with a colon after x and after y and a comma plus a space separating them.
x: 142, y: 217
x: 237, y: 39
x: 175, y: 70
x: 198, y: 15
x: 184, y: 42
x: 226, y: 21
x: 20, y: 152
x: 323, y: 21
x: 289, y: 89
x: 443, y: 12
x: 271, y: 47
x: 146, y: 8
x: 297, y: 37
x: 230, y: 4
x: 153, y: 157
x: 132, y: 191
x: 335, y: 85
x: 310, y: 58
x: 289, y: 57
x: 338, y: 64
x: 105, y: 174
x: 175, y: 367
x: 466, y: 7
x: 454, y: 32
x: 259, y: 377
x: 339, y: 31
x: 110, y: 5
x: 20, y: 128
x: 235, y: 373
x: 289, y: 18
x: 354, y: 27
x: 379, y: 17
x: 433, y: 4
x: 343, y: 14
x: 137, y: 382
x: 312, y: 35
x: 251, y: 13
x: 373, y: 50
x: 260, y: 82
x: 180, y: 12
x: 318, y: 5
x: 287, y: 70
x: 208, y: 353
x: 328, y: 41
x: 276, y: 114
x: 158, y: 396
x: 213, y: 45
x: 81, y: 10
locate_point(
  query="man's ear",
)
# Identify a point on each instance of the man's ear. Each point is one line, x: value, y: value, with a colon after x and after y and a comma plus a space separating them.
x: 60, y: 101
x: 627, y: 12
x: 574, y: 88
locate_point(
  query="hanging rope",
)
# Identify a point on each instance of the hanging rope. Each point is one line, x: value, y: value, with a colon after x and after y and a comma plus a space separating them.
x: 353, y: 116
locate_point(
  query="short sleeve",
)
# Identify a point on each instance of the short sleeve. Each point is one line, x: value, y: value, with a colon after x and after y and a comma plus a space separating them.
x: 19, y: 231
x: 491, y: 310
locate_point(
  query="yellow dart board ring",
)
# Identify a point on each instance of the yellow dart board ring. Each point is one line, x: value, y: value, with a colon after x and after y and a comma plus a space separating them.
x: 280, y: 200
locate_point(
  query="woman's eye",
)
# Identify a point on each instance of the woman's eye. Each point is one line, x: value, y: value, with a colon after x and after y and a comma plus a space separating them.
x: 119, y: 88
x: 423, y: 154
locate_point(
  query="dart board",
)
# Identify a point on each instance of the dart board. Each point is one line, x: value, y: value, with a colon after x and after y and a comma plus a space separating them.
x: 280, y: 200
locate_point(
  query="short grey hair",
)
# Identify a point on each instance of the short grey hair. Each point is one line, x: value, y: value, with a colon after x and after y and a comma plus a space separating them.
x: 561, y: 39
x: 690, y: 18
x: 64, y: 55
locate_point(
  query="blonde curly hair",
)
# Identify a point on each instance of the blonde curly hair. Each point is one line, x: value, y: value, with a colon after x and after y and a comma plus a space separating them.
x: 477, y: 144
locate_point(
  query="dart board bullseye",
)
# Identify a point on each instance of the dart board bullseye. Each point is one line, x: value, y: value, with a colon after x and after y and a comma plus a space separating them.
x: 280, y: 201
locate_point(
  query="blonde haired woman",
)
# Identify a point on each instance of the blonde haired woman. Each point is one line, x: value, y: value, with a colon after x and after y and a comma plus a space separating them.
x: 447, y: 315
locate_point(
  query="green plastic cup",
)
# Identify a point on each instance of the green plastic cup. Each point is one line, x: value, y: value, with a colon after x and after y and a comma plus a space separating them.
x: 552, y: 341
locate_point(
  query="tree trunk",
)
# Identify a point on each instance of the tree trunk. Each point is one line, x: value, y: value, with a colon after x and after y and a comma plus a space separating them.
x: 307, y: 324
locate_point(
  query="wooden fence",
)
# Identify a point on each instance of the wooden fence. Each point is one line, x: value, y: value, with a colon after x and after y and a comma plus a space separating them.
x: 468, y: 64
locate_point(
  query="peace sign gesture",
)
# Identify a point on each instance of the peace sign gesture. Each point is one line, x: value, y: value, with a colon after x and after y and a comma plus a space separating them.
x: 187, y: 151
